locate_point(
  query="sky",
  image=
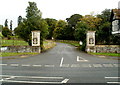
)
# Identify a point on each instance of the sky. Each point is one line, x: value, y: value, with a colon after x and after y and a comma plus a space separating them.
x: 56, y: 9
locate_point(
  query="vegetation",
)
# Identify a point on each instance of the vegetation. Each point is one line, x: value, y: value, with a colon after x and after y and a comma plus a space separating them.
x: 33, y: 21
x: 14, y: 43
x: 16, y: 54
x: 107, y: 54
x: 74, y: 43
x: 73, y: 28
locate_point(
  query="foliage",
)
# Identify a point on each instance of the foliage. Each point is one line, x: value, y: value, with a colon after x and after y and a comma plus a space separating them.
x: 11, y: 25
x: 92, y: 21
x: 51, y: 26
x: 80, y: 31
x: 6, y: 23
x: 19, y: 20
x: 6, y: 32
x: 59, y: 31
x: 72, y: 21
x: 107, y: 54
x: 103, y: 34
x: 32, y: 22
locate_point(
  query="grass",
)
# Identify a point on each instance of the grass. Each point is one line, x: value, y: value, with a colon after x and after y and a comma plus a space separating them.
x: 13, y: 43
x: 74, y: 43
x: 107, y: 54
x: 16, y: 54
x: 47, y: 45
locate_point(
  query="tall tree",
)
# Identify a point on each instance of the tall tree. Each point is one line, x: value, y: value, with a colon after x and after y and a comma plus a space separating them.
x: 19, y: 19
x: 11, y: 25
x: 51, y: 26
x: 6, y: 23
x: 72, y: 21
x: 32, y: 22
x: 59, y: 31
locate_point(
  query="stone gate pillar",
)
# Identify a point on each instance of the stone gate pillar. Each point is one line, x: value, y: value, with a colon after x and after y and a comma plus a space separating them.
x: 36, y: 41
x: 90, y: 44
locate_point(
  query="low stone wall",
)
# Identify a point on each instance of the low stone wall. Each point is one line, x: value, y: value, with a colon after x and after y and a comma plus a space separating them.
x: 107, y: 49
x: 20, y: 49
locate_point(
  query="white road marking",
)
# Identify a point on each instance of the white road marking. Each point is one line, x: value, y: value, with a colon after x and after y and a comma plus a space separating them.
x: 3, y: 64
x: 65, y: 65
x: 49, y: 65
x: 97, y: 65
x: 30, y: 82
x: 14, y: 64
x: 79, y: 59
x: 75, y: 65
x: 112, y: 77
x: 107, y: 65
x: 113, y: 82
x: 65, y: 81
x: 26, y: 65
x: 37, y: 65
x: 86, y: 65
x: 116, y: 65
x: 35, y: 77
x: 61, y: 62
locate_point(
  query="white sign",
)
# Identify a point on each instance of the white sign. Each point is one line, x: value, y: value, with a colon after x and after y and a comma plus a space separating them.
x: 35, y: 38
x: 91, y: 38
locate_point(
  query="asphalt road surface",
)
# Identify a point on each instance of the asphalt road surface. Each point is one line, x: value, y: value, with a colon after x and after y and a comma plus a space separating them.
x: 63, y: 64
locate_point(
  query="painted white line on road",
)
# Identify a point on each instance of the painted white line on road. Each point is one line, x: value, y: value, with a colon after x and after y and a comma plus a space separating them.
x: 112, y: 77
x: 3, y: 64
x: 37, y: 65
x: 65, y: 65
x: 49, y: 65
x: 13, y: 81
x: 35, y: 77
x: 65, y: 81
x: 26, y: 65
x: 107, y: 65
x: 14, y: 64
x: 75, y: 65
x: 79, y: 59
x: 61, y: 62
x: 97, y: 65
x: 113, y: 82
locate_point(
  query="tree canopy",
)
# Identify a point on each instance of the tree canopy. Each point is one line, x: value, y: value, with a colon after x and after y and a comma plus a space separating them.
x: 33, y: 21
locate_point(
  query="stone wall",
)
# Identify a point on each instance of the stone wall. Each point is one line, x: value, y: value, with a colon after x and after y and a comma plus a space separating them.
x: 107, y: 49
x: 20, y: 49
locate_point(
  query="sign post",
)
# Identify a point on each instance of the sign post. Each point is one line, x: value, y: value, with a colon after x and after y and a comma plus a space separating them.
x: 36, y: 40
x: 90, y: 41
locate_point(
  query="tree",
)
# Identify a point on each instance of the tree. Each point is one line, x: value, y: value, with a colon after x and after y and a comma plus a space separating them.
x: 92, y: 21
x: 72, y: 21
x: 59, y: 31
x: 105, y: 15
x: 103, y: 34
x: 80, y: 31
x: 32, y: 22
x: 51, y: 26
x: 6, y: 32
x: 6, y: 23
x: 19, y: 19
x: 11, y: 25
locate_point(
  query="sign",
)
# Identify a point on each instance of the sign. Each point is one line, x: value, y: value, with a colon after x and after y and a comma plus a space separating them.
x: 91, y: 38
x: 35, y: 38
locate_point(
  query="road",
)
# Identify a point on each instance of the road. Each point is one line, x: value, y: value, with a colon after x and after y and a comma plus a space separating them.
x: 63, y: 64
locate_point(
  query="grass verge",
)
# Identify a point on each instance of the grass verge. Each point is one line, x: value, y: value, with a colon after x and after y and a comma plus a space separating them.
x: 47, y: 44
x: 17, y: 54
x: 74, y: 43
x: 107, y: 54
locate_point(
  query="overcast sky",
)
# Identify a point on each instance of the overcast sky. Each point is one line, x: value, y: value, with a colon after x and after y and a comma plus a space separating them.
x: 57, y: 9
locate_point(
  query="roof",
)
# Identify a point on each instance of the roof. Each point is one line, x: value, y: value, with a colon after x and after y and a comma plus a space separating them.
x: 116, y: 13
